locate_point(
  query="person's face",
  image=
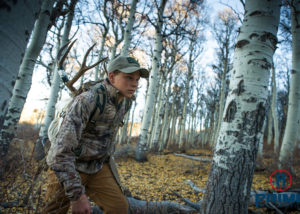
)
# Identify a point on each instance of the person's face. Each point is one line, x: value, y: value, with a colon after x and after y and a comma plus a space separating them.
x: 125, y: 83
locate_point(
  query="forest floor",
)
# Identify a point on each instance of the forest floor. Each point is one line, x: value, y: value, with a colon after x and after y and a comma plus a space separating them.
x: 153, y: 180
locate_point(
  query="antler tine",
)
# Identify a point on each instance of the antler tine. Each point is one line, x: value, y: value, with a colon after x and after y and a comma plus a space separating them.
x: 97, y: 63
x: 83, y: 65
x: 70, y: 83
x: 62, y: 59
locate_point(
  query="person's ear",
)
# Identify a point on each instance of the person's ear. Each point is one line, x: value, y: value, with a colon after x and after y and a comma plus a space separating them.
x: 111, y: 78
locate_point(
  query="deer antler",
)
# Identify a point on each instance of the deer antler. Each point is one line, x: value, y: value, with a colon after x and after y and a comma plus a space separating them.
x: 61, y: 58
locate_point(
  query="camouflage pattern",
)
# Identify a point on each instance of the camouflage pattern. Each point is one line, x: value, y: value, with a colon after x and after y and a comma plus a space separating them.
x: 84, y: 143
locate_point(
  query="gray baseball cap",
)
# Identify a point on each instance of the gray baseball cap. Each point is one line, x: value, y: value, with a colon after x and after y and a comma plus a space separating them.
x: 127, y: 65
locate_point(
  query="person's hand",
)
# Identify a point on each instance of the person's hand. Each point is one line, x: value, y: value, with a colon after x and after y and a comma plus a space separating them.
x: 81, y: 206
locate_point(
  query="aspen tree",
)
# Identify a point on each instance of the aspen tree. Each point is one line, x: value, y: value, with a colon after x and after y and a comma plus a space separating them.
x: 270, y: 126
x: 24, y: 80
x: 125, y: 52
x: 141, y: 147
x: 292, y: 124
x: 190, y: 68
x: 50, y: 110
x: 274, y: 111
x: 229, y: 183
x: 16, y: 21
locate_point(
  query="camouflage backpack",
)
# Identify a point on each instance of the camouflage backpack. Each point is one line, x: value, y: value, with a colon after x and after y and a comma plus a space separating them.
x: 63, y: 106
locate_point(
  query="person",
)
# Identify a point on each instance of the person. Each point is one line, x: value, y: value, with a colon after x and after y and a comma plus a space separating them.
x: 80, y: 159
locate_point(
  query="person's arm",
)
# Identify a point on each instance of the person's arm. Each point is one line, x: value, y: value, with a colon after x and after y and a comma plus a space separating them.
x: 61, y: 157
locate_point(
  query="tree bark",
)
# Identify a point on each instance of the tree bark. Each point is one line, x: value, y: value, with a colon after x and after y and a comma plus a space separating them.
x: 292, y: 124
x: 16, y: 23
x: 229, y: 183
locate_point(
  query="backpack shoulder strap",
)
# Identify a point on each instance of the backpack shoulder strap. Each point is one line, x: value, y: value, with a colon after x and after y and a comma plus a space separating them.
x: 101, y: 100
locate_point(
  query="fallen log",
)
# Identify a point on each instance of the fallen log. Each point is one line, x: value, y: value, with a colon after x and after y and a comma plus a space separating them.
x: 151, y: 207
x: 194, y: 187
x: 188, y: 202
x: 193, y: 158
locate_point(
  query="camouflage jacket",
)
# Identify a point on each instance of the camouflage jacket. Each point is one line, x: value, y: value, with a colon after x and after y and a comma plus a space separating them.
x: 83, y: 144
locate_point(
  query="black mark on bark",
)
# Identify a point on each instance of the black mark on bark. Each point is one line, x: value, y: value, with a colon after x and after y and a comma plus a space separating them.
x: 255, y: 13
x: 240, y: 88
x: 241, y: 43
x: 261, y: 113
x: 251, y: 100
x: 252, y: 121
x: 234, y: 133
x: 230, y: 112
x: 253, y: 35
x: 3, y: 105
x: 269, y: 36
x: 293, y: 71
x: 222, y: 152
x: 5, y: 6
x: 264, y: 65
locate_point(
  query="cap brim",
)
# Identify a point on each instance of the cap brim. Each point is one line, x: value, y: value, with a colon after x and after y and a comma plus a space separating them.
x: 143, y: 72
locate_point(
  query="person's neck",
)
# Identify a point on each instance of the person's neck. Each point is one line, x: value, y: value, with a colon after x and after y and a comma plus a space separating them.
x: 120, y: 98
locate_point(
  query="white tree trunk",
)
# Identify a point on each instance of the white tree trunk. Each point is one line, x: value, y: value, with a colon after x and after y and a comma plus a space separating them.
x: 206, y: 129
x: 274, y: 111
x: 173, y: 117
x: 166, y: 120
x: 155, y: 143
x: 50, y: 111
x: 127, y: 35
x: 24, y: 80
x: 132, y: 122
x: 141, y: 147
x: 186, y: 94
x: 270, y: 126
x: 16, y: 23
x: 230, y: 179
x: 292, y: 125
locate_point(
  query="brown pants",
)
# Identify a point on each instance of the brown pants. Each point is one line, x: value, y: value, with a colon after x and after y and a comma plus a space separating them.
x: 101, y: 187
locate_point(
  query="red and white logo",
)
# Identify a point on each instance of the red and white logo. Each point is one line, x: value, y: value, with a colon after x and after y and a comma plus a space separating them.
x: 281, y: 180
